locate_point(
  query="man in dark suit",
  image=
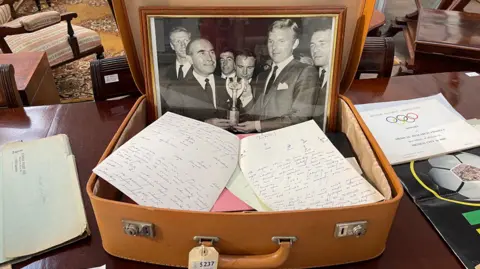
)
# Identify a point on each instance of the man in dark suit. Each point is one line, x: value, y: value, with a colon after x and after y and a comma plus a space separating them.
x: 201, y: 95
x: 227, y: 63
x: 285, y: 95
x: 179, y: 39
x: 320, y: 49
x: 244, y: 68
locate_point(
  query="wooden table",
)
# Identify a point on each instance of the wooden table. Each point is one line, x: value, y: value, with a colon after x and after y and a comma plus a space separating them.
x: 412, y: 243
x: 377, y: 21
x: 34, y: 77
x: 443, y: 41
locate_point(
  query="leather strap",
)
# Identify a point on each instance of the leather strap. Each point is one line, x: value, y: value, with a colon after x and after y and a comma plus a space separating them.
x: 272, y: 260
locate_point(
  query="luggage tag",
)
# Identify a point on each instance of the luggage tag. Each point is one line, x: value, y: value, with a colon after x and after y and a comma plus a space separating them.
x: 203, y: 257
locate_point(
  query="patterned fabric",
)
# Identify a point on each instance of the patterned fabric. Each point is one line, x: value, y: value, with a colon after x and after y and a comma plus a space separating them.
x: 5, y: 15
x: 39, y: 20
x: 54, y: 40
x: 14, y: 24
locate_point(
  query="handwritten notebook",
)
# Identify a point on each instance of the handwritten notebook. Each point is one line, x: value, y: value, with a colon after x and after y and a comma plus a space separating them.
x: 297, y: 167
x: 41, y: 202
x: 238, y: 195
x: 181, y: 163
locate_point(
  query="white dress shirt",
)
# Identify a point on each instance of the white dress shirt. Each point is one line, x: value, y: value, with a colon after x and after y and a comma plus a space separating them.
x: 186, y: 66
x: 229, y: 76
x: 211, y: 80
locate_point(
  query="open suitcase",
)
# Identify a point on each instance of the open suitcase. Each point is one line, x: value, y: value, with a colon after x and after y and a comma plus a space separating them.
x: 291, y: 239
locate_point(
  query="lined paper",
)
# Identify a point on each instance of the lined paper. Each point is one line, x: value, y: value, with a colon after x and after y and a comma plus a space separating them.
x: 298, y: 168
x: 176, y: 163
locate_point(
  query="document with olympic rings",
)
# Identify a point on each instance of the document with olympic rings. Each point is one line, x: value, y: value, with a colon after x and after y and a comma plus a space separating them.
x: 419, y: 130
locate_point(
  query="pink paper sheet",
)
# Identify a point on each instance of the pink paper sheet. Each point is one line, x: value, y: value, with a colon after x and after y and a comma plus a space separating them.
x: 227, y: 201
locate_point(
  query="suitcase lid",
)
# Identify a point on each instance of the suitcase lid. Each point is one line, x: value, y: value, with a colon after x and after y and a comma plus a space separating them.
x: 358, y: 16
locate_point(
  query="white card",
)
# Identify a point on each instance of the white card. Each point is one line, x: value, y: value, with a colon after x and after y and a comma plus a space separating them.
x: 472, y: 74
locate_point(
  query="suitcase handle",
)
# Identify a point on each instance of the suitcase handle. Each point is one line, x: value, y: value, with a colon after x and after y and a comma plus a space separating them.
x: 271, y: 260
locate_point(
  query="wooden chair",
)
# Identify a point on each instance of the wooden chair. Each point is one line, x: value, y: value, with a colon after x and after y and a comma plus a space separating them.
x: 111, y: 77
x: 47, y: 31
x: 9, y: 96
x: 400, y: 23
x: 377, y: 57
x: 39, y: 5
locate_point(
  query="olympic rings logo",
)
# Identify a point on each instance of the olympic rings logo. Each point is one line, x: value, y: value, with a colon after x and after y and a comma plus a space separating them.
x: 402, y: 119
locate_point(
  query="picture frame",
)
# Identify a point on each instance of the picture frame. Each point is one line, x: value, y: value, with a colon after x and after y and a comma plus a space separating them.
x: 183, y: 46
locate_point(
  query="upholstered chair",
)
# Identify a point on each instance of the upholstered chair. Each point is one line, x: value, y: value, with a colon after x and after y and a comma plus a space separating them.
x: 49, y: 31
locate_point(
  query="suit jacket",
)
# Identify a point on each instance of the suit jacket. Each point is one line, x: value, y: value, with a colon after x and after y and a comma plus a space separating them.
x: 319, y: 110
x: 168, y: 79
x: 291, y: 99
x: 168, y: 74
x: 189, y: 99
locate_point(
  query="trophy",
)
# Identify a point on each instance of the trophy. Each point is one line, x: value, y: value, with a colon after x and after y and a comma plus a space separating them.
x: 236, y: 86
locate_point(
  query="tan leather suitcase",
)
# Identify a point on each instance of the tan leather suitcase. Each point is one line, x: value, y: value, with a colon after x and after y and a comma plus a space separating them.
x: 292, y: 239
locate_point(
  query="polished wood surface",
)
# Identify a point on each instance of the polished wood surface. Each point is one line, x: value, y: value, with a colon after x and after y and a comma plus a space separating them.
x: 377, y: 21
x: 34, y: 77
x: 398, y: 24
x: 25, y: 65
x: 90, y: 127
x: 412, y: 243
x: 9, y: 96
x: 459, y: 89
x: 443, y: 41
x: 449, y: 29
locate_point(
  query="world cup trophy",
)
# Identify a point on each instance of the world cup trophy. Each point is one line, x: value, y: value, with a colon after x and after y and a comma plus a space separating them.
x: 236, y: 86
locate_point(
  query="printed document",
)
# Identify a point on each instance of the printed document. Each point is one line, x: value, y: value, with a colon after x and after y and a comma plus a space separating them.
x: 41, y: 202
x: 419, y: 130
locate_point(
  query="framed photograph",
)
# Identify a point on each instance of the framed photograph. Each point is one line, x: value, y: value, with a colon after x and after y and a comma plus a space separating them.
x: 245, y: 70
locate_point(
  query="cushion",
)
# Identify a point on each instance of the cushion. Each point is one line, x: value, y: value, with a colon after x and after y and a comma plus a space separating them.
x: 5, y: 15
x: 40, y: 20
x: 16, y: 23
x: 54, y: 40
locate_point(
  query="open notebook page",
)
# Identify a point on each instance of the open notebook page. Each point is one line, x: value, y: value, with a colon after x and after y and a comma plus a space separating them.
x: 240, y: 187
x: 176, y: 162
x: 297, y: 167
x: 42, y: 204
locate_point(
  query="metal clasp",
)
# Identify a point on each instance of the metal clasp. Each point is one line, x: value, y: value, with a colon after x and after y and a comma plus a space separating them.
x: 201, y: 239
x: 279, y: 239
x: 355, y: 228
x: 137, y: 228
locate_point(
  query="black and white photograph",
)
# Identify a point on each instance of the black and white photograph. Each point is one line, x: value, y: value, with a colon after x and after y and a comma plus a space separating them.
x: 245, y: 74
